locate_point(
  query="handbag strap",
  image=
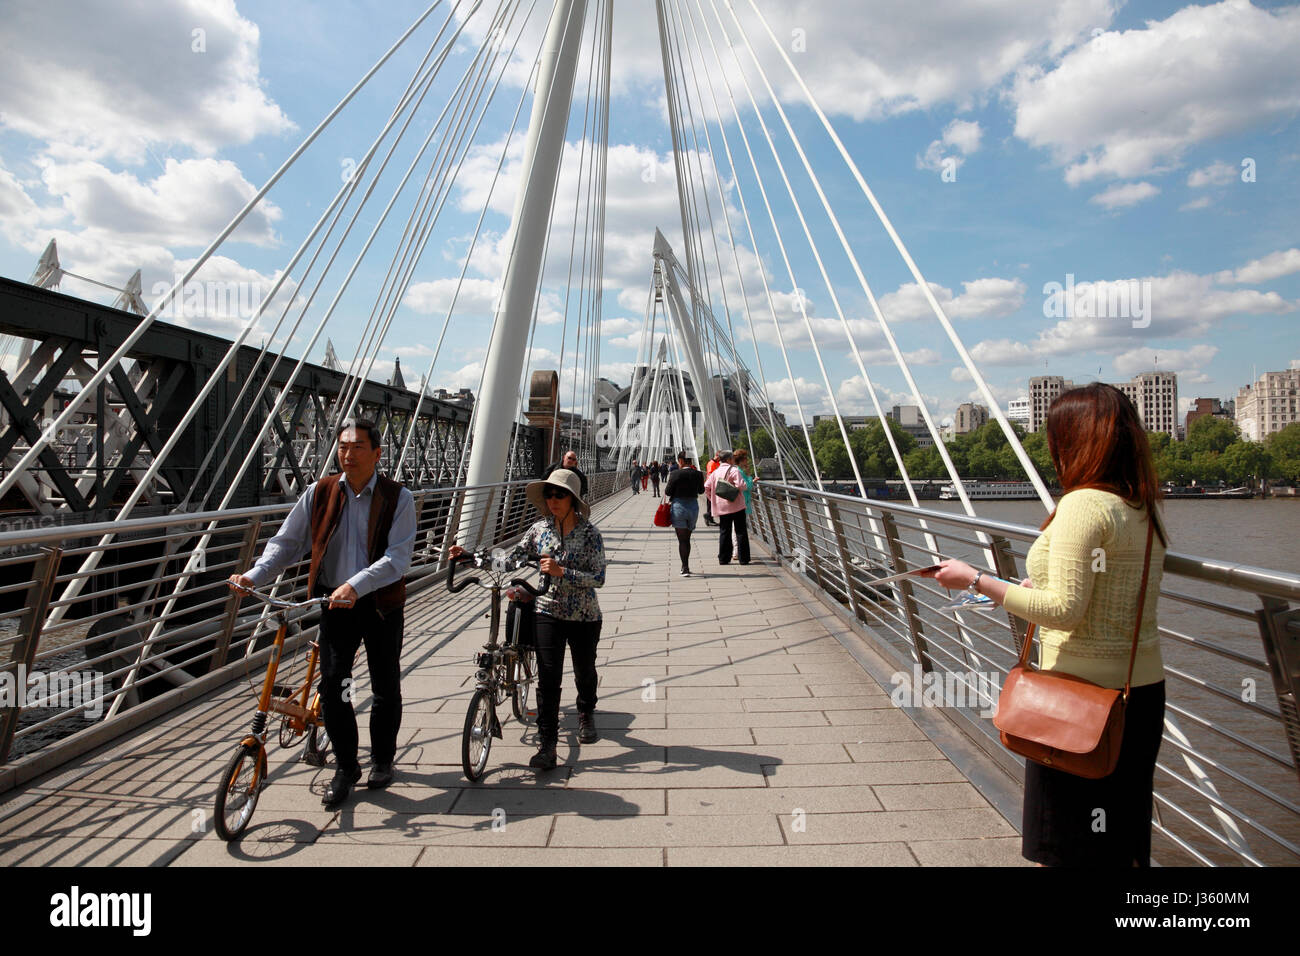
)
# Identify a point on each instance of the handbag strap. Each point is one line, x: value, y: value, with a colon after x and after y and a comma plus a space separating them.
x: 1137, y: 627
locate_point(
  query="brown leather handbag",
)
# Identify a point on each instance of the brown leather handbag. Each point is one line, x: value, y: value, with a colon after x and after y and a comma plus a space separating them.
x: 1062, y: 721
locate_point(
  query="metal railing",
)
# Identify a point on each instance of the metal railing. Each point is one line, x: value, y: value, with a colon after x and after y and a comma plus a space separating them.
x: 90, y: 652
x: 1226, y: 782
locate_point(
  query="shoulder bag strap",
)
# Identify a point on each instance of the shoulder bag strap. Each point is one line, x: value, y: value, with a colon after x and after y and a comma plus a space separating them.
x: 1142, y: 600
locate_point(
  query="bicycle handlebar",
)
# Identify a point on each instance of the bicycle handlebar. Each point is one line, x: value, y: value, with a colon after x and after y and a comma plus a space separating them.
x: 280, y: 603
x: 467, y: 557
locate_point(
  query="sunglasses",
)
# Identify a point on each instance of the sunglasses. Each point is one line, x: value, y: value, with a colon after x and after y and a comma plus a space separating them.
x: 554, y: 493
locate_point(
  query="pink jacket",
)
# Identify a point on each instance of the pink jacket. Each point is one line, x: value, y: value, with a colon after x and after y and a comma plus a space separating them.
x: 721, y: 506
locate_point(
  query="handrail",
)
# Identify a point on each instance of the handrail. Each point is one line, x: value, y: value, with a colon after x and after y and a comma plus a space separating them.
x: 102, y: 617
x: 1239, y: 706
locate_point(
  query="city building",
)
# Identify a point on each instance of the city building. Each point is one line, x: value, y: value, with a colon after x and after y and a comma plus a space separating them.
x: 1268, y: 405
x: 1018, y: 412
x: 909, y: 416
x: 1043, y: 390
x: 1207, y: 406
x: 1156, y: 396
x: 969, y: 417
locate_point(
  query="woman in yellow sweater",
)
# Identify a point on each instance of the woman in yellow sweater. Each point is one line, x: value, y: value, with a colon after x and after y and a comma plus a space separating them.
x: 1085, y: 573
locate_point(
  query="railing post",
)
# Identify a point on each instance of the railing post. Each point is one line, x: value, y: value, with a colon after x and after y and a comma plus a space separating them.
x: 914, y: 628
x: 845, y: 561
x: 29, y: 638
x: 231, y: 613
x: 812, y: 546
x: 1279, y: 627
x: 1004, y: 562
x: 768, y: 524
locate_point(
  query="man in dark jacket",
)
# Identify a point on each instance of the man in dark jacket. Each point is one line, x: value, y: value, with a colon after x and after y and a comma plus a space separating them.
x: 359, y: 528
x: 569, y: 462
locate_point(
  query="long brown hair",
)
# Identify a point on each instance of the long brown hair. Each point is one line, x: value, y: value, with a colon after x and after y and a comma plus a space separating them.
x: 1096, y: 440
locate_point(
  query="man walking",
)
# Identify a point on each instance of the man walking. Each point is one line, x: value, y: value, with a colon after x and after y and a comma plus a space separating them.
x: 359, y: 528
x: 636, y: 477
x: 570, y: 463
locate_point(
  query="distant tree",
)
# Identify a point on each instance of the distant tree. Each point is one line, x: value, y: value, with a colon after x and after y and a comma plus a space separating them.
x: 833, y: 458
x: 1210, y: 434
x: 924, y: 463
x: 1245, y: 461
x: 1284, y: 450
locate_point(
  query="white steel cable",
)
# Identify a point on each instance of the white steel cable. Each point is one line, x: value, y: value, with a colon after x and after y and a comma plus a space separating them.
x: 197, y: 556
x: 129, y: 342
x: 469, y: 254
x: 419, y: 243
x: 767, y: 293
x: 280, y: 356
x: 435, y: 189
x: 92, y: 560
x: 1026, y: 463
x: 794, y: 283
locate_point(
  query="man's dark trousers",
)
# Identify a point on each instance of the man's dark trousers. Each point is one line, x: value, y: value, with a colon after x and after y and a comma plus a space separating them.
x: 341, y: 632
x: 725, y: 523
x: 552, y: 635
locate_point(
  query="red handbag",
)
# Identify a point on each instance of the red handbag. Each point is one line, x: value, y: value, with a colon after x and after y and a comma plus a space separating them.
x: 663, y: 514
x: 1062, y: 721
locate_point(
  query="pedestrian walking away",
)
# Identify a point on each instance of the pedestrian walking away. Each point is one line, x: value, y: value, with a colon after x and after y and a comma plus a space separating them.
x: 1088, y: 619
x: 708, y: 470
x: 654, y: 476
x: 636, y: 478
x: 730, y: 511
x: 685, y: 485
x: 359, y: 528
x: 572, y: 552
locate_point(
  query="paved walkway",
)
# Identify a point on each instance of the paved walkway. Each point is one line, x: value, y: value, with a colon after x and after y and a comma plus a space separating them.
x: 736, y: 729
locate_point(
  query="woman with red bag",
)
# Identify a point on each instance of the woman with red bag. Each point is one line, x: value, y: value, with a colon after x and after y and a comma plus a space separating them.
x: 1087, y: 569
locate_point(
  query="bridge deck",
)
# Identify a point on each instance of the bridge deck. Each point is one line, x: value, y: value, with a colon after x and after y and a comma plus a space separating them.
x: 767, y: 742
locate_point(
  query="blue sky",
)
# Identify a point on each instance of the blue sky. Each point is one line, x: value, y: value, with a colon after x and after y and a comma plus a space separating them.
x: 1110, y: 142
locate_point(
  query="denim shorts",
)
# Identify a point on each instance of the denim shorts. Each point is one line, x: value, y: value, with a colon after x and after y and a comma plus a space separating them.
x: 685, y: 512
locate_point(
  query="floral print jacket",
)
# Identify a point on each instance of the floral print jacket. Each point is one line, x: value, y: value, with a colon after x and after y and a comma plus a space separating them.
x: 582, y: 553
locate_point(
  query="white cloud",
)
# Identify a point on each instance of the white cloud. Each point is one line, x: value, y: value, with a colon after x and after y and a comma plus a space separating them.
x: 1202, y: 203
x: 187, y: 205
x: 1272, y: 266
x: 1215, y: 174
x: 913, y: 57
x: 162, y: 91
x: 1203, y: 73
x: 962, y: 137
x: 1177, y: 304
x: 983, y: 299
x: 1124, y: 194
x: 1188, y: 363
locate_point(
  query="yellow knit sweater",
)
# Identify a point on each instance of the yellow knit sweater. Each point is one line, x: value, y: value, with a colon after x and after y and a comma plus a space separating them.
x: 1086, y: 568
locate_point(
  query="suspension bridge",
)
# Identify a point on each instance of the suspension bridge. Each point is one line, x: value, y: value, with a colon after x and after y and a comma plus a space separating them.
x: 774, y: 715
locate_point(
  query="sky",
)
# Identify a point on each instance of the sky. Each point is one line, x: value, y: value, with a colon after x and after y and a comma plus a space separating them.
x: 1029, y: 155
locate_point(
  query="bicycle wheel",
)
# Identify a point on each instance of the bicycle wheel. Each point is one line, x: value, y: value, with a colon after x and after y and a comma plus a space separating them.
x: 525, y: 667
x: 238, y: 790
x: 476, y: 741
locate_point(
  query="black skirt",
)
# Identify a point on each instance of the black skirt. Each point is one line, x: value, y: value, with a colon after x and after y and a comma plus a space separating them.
x: 1073, y: 821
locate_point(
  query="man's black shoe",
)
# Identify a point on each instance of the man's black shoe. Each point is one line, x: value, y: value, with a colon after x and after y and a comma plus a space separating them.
x: 381, y: 775
x: 340, y: 787
x: 545, y: 758
x: 587, y: 729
